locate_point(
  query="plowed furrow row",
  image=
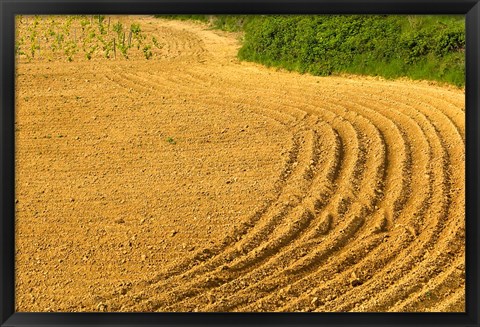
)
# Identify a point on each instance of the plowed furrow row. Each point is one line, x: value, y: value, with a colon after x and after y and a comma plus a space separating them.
x: 298, y: 250
x: 458, y: 157
x: 377, y: 228
x: 410, y: 260
x: 278, y: 213
x: 452, y: 303
x: 442, y: 285
x: 429, y: 109
x: 430, y: 102
x: 295, y: 248
x: 187, y: 81
x: 451, y: 107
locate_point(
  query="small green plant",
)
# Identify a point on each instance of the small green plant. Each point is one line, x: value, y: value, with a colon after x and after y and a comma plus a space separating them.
x: 107, y: 47
x: 137, y: 34
x: 123, y: 49
x: 70, y: 49
x: 84, y: 22
x: 155, y: 42
x: 34, y: 46
x: 118, y: 28
x: 171, y: 140
x: 101, y: 26
x: 89, y: 51
x: 135, y: 29
x: 59, y: 40
x: 147, y: 51
x: 19, y: 46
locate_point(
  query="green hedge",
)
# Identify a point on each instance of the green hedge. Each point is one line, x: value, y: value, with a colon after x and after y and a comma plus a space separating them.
x: 390, y: 46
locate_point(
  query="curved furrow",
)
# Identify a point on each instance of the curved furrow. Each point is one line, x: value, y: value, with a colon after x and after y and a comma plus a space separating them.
x: 292, y: 114
x: 287, y: 277
x: 410, y: 259
x: 378, y: 221
x: 455, y: 110
x: 337, y: 280
x: 352, y: 137
x: 424, y: 122
x: 274, y: 298
x: 432, y: 111
x: 406, y: 173
x: 435, y: 256
x: 406, y: 204
x: 370, y: 295
x: 260, y: 229
x: 446, y: 132
x: 453, y: 135
x: 394, y: 132
x: 453, y: 303
x: 427, y: 104
x: 416, y: 91
x: 300, y: 250
x: 323, y: 187
x: 441, y: 286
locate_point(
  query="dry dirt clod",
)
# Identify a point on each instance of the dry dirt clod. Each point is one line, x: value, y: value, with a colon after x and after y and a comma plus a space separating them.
x: 356, y: 282
x: 315, y: 301
x: 102, y: 307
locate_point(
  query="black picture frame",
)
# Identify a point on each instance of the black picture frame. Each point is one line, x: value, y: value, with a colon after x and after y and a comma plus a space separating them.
x: 8, y: 10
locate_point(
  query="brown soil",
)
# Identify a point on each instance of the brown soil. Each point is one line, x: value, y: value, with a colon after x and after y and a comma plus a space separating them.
x: 276, y: 192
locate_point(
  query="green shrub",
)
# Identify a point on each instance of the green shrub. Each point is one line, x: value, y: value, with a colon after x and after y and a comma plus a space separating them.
x: 389, y: 46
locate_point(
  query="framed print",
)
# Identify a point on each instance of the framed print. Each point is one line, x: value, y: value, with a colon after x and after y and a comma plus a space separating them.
x: 239, y: 163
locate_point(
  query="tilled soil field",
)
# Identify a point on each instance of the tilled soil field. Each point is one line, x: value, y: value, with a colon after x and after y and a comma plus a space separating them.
x: 195, y: 182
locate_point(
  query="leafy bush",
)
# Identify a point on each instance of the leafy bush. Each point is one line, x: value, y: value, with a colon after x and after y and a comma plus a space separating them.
x: 390, y: 46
